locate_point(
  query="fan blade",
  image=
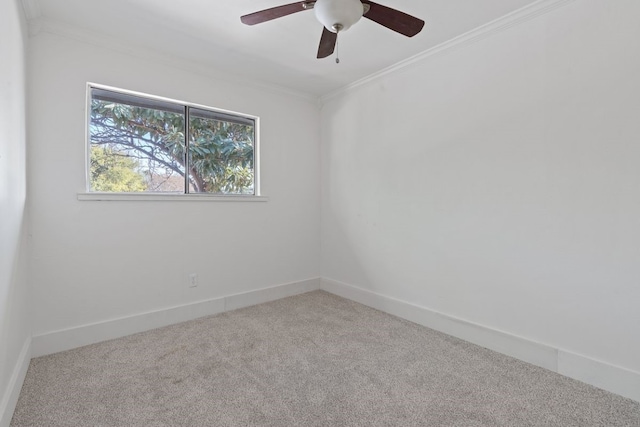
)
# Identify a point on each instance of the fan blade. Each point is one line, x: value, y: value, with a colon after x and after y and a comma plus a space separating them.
x: 393, y: 19
x: 276, y: 12
x: 327, y: 43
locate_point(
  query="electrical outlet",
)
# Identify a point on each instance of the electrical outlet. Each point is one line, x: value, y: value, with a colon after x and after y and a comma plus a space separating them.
x: 193, y: 280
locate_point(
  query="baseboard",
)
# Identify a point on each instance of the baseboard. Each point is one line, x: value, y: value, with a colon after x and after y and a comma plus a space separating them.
x: 67, y: 339
x: 604, y: 375
x: 259, y: 296
x: 12, y: 392
x: 532, y: 352
x: 600, y: 374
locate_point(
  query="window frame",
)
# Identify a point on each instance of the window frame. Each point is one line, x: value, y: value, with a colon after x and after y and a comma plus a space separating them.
x: 88, y: 194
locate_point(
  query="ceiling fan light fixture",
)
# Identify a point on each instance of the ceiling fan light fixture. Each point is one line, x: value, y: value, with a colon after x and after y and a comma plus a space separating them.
x: 338, y: 15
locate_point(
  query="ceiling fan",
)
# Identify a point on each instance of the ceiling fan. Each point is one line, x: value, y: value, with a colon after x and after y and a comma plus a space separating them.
x: 338, y: 16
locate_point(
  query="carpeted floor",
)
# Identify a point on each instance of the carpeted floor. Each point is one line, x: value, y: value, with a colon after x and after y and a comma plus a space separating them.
x: 308, y: 360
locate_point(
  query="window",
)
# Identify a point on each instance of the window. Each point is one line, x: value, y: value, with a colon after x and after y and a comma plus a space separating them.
x: 144, y: 144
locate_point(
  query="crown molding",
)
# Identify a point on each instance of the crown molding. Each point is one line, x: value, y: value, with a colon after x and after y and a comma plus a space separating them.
x: 517, y: 17
x: 43, y: 25
x: 31, y: 9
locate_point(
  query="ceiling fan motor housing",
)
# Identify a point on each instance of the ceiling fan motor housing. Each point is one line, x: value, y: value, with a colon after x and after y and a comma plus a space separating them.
x: 338, y: 15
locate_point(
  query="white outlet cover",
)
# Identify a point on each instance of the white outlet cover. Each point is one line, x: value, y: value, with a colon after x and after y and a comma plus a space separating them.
x: 193, y: 280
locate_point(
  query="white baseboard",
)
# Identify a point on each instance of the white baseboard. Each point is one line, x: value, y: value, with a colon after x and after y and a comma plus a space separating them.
x: 604, y: 375
x: 12, y: 392
x: 600, y: 374
x: 66, y: 339
x: 246, y: 299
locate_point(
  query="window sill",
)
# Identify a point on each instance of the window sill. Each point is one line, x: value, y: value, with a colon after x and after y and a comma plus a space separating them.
x: 167, y: 197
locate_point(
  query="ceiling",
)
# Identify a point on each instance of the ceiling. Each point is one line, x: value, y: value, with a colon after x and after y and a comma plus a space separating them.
x: 281, y: 52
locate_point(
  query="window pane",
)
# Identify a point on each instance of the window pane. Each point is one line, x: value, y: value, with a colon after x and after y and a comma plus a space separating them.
x: 135, y: 148
x: 220, y: 153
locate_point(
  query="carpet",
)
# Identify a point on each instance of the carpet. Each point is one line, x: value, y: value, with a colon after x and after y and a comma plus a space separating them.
x: 309, y: 360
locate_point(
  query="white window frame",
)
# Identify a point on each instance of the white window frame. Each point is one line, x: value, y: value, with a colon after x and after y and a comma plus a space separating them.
x: 88, y: 195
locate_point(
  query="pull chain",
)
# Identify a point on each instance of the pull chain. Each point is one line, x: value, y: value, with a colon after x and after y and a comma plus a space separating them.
x: 337, y: 28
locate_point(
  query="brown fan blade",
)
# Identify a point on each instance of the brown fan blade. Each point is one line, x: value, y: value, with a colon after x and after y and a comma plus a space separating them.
x: 276, y: 12
x: 393, y: 19
x: 327, y: 43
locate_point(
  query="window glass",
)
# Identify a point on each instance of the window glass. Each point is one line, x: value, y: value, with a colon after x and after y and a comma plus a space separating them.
x: 138, y: 144
x: 220, y: 154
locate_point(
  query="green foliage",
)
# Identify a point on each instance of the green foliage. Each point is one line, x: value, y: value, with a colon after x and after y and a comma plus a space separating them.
x: 221, y: 155
x: 220, y: 152
x: 112, y: 172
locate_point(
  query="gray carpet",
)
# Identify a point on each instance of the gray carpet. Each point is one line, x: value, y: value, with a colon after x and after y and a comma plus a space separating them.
x: 308, y: 360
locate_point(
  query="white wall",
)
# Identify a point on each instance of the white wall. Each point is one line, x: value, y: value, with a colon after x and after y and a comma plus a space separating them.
x: 95, y: 261
x: 500, y: 182
x: 15, y: 331
x: 497, y: 183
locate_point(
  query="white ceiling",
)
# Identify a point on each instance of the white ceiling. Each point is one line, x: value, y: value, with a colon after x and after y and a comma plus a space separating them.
x: 280, y: 52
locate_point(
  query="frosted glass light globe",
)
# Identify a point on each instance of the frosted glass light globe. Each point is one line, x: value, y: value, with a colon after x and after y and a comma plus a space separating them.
x: 344, y: 13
